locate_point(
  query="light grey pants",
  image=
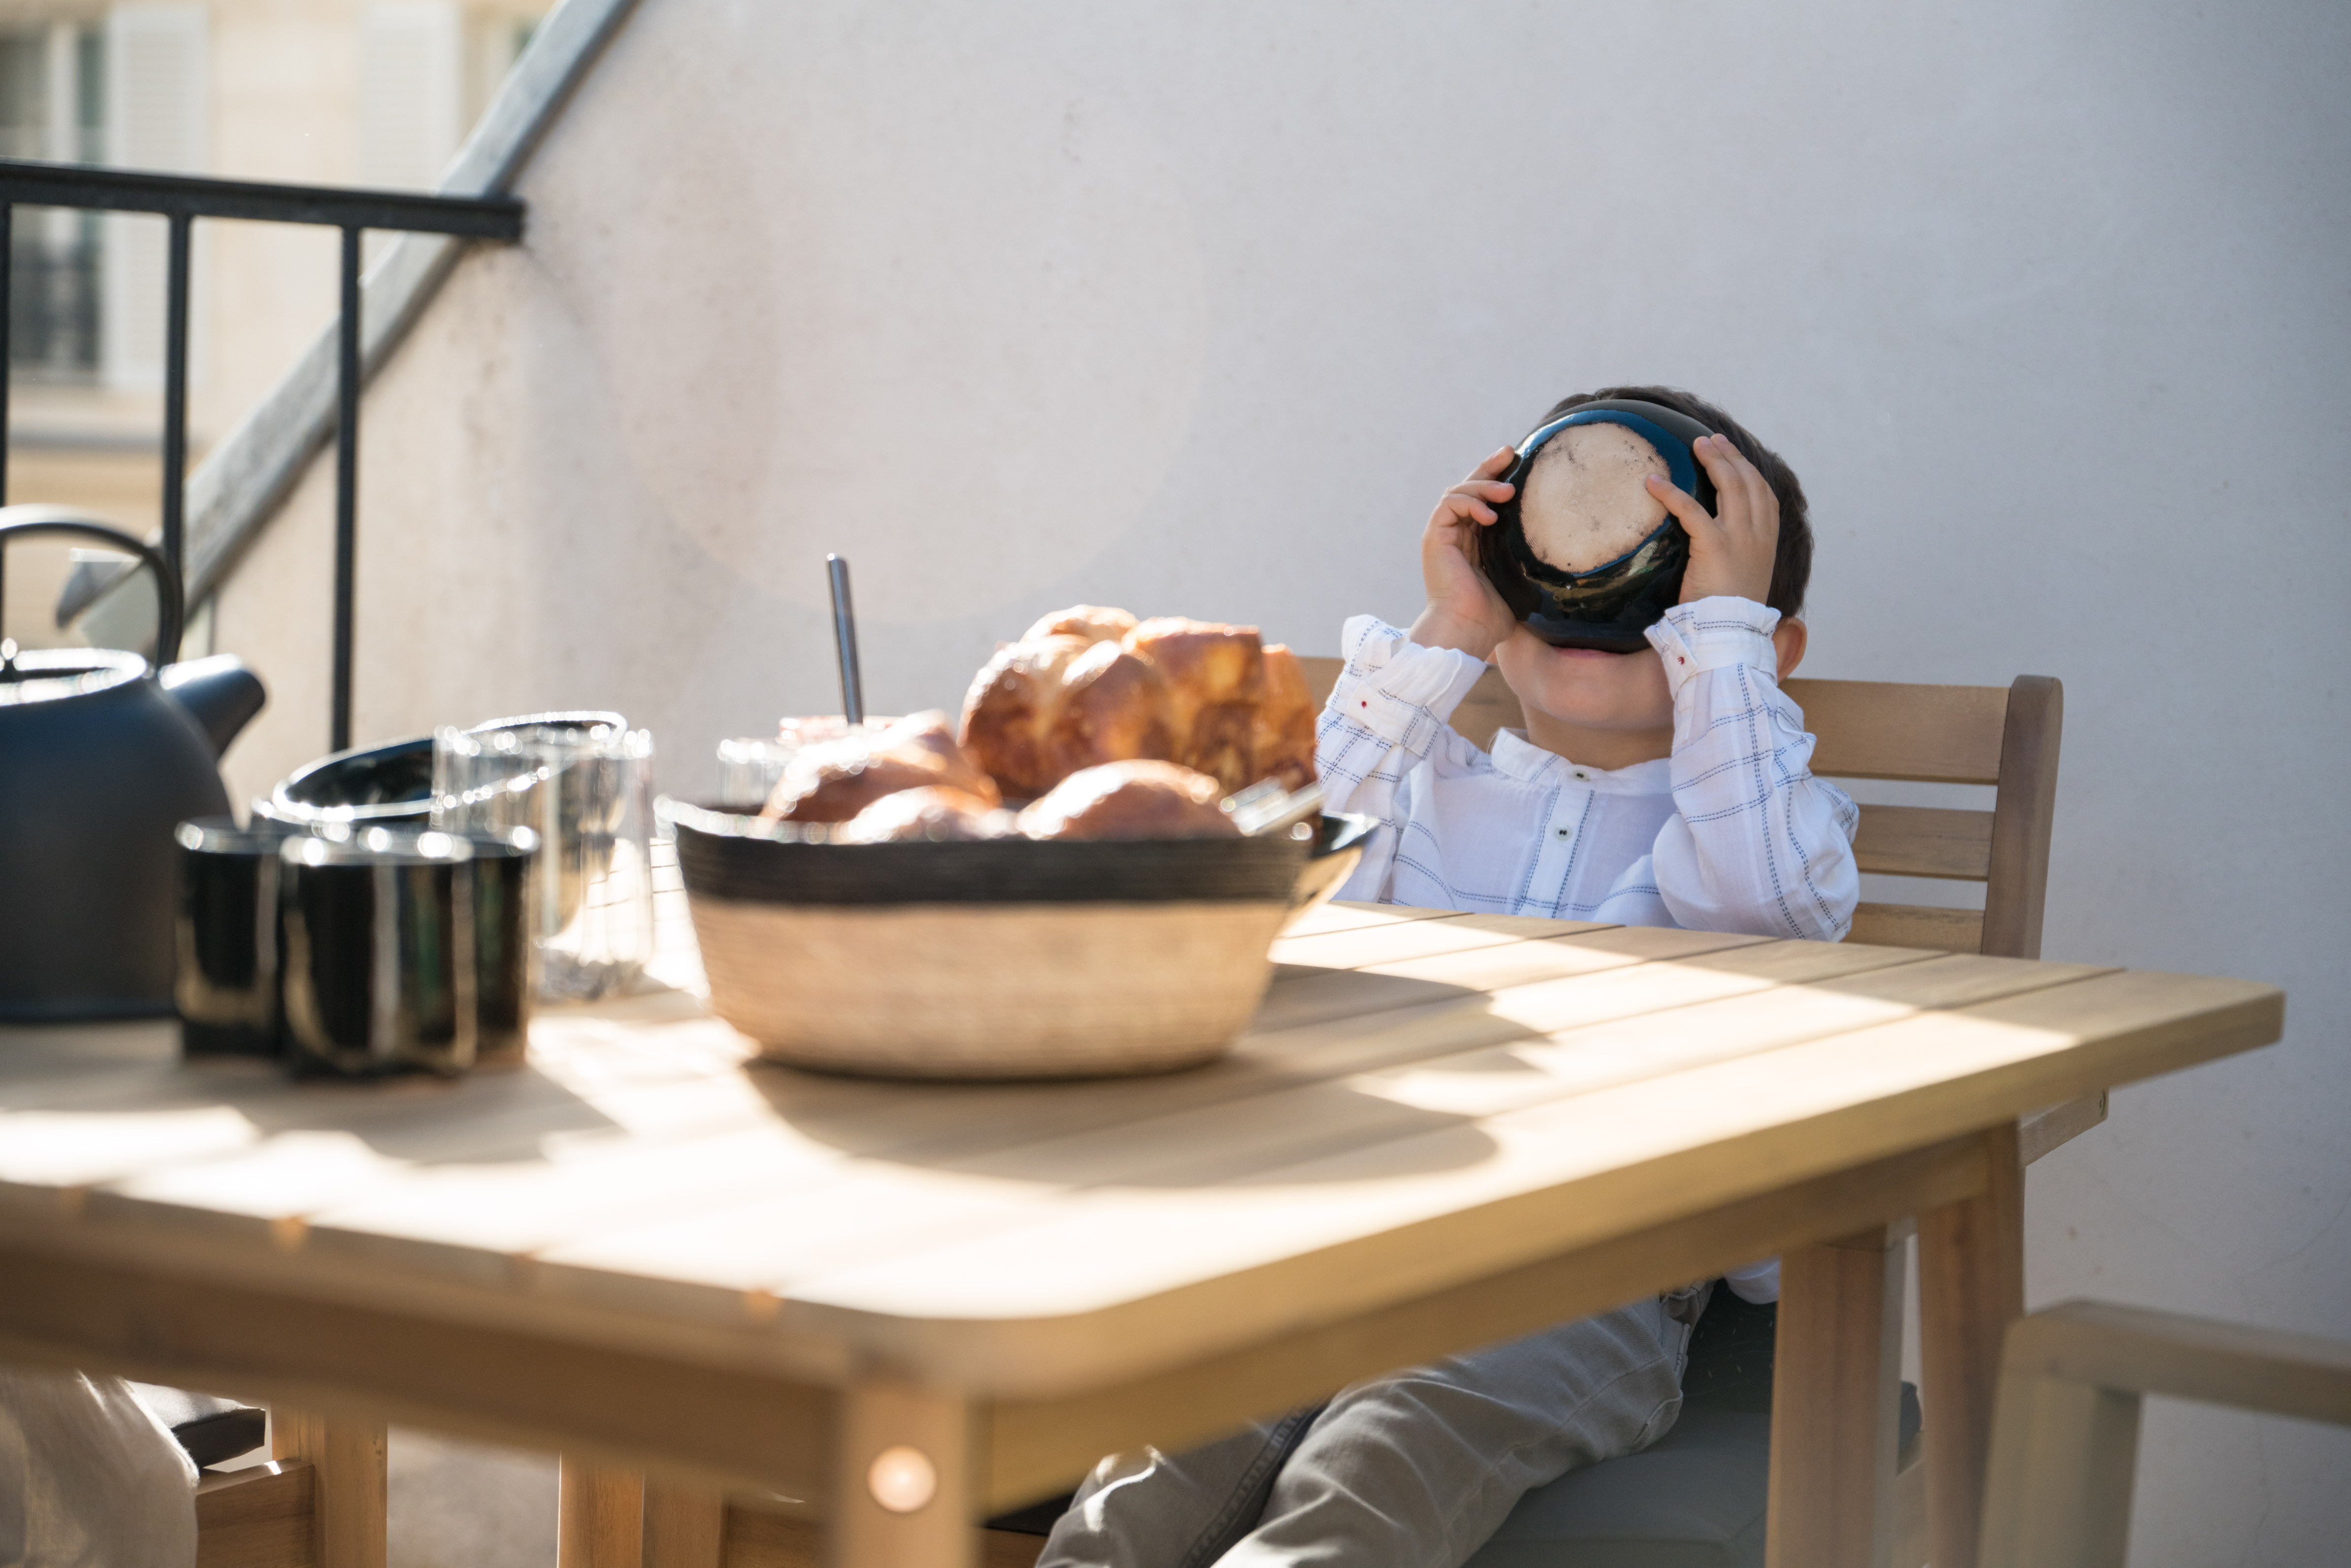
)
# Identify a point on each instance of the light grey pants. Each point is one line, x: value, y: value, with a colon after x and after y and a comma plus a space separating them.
x: 87, y: 1477
x: 1411, y: 1471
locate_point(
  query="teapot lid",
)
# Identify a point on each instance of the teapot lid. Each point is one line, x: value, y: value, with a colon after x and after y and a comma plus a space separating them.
x: 46, y: 674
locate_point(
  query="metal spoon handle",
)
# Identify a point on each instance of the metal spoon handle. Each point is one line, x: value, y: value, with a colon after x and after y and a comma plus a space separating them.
x: 844, y: 631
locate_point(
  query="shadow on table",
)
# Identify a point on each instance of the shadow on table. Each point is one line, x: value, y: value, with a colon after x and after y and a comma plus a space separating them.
x: 1275, y: 1112
x: 493, y: 1115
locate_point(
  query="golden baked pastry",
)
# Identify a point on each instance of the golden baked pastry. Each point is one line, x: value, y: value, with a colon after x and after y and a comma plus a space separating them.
x: 834, y: 781
x: 1131, y: 800
x: 932, y: 814
x: 1281, y: 740
x: 1092, y: 622
x: 1215, y: 679
x: 1041, y: 710
x: 1089, y: 686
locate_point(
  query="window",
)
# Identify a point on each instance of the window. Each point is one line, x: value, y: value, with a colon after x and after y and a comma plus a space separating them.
x: 53, y: 107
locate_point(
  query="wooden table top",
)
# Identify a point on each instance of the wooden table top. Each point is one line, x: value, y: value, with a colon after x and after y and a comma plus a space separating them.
x: 1423, y: 1099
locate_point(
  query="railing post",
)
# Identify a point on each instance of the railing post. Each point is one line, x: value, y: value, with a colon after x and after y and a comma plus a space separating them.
x: 347, y: 486
x: 175, y: 406
x: 8, y: 314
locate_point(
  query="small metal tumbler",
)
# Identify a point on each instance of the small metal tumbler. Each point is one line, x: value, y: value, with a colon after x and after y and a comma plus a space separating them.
x: 229, y: 938
x: 401, y: 950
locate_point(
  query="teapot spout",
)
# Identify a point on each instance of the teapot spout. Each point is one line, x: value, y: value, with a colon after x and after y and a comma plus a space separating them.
x: 220, y: 693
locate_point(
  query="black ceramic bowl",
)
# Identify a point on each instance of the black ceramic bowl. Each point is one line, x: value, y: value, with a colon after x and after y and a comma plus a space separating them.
x: 1000, y: 958
x: 388, y: 786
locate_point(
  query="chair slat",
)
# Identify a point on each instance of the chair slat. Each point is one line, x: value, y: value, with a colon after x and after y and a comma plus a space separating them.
x: 1875, y: 729
x: 2023, y: 818
x: 1916, y: 925
x: 1925, y: 840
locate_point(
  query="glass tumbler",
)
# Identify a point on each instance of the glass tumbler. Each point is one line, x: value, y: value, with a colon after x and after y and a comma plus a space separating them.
x: 586, y: 789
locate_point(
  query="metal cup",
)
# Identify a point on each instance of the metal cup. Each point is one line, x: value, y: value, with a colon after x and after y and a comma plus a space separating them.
x: 229, y: 938
x: 401, y: 950
x: 504, y: 958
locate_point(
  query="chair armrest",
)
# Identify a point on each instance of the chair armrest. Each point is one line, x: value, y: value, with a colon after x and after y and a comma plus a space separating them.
x: 2054, y: 1127
x: 260, y: 1514
x: 2135, y: 1351
x: 2064, y: 1439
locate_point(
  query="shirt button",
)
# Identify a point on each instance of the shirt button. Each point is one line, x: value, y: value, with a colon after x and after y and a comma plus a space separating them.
x: 1562, y: 832
x: 1580, y: 773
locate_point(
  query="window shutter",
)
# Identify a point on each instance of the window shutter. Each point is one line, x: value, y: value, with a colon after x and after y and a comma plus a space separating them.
x: 412, y: 90
x: 157, y: 112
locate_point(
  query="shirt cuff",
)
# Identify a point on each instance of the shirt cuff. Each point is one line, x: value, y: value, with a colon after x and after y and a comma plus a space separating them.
x: 1397, y: 688
x: 1716, y: 634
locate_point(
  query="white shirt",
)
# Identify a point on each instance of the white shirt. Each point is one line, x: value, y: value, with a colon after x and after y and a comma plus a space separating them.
x: 1731, y: 833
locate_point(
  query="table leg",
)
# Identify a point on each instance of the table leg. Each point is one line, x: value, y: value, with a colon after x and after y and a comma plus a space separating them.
x: 1970, y: 1288
x: 346, y: 1517
x: 906, y: 1480
x: 599, y: 1517
x: 1836, y: 1404
x: 685, y: 1527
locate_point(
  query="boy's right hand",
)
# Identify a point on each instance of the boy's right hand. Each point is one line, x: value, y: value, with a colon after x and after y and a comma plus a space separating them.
x: 1463, y: 611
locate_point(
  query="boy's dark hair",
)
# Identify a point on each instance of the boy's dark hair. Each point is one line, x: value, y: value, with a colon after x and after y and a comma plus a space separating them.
x: 1791, y: 568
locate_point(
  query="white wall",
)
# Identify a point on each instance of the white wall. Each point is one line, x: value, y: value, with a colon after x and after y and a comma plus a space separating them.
x: 1194, y: 310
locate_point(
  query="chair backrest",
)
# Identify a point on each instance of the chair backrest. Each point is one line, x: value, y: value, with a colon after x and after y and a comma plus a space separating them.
x: 2004, y: 737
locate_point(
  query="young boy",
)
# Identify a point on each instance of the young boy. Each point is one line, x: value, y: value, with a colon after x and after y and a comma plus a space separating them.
x: 1657, y: 787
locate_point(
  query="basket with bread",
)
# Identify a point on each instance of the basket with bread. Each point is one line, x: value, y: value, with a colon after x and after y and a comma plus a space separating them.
x: 1082, y: 874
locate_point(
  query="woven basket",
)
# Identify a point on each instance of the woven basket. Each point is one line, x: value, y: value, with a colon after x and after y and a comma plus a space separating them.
x: 996, y: 959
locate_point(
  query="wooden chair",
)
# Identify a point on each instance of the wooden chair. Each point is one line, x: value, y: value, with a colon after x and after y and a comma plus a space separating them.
x: 318, y: 1503
x: 2006, y: 738
x: 2065, y: 1437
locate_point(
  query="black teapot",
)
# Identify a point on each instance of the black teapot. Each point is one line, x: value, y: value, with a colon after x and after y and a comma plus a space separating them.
x: 101, y: 757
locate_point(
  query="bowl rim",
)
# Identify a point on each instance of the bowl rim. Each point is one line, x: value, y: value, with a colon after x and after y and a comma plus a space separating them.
x: 717, y: 821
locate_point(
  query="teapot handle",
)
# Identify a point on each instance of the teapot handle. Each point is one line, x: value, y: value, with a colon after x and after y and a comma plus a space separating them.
x: 37, y: 519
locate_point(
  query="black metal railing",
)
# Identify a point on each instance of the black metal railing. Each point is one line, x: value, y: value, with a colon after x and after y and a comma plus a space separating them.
x: 181, y: 199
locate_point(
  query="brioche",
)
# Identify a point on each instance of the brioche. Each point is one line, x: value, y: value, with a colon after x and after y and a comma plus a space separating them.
x: 1131, y: 800
x: 931, y: 814
x: 1215, y: 679
x: 1115, y: 708
x: 1282, y: 739
x: 1090, y: 685
x: 832, y: 783
x: 1092, y: 622
x: 1041, y: 710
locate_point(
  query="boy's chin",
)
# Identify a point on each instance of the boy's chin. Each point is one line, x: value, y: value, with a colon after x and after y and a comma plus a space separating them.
x: 1588, y: 686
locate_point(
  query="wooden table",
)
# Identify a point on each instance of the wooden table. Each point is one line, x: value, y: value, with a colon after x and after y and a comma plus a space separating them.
x: 1441, y: 1130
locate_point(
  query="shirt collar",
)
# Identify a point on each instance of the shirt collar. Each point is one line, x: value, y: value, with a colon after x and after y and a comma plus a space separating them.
x: 1516, y: 757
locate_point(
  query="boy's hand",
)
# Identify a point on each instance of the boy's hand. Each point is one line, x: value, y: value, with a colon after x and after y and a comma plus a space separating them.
x: 1731, y: 552
x: 1464, y: 611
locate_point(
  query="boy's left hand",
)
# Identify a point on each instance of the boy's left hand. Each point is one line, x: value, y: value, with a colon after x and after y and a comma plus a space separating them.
x: 1732, y: 551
